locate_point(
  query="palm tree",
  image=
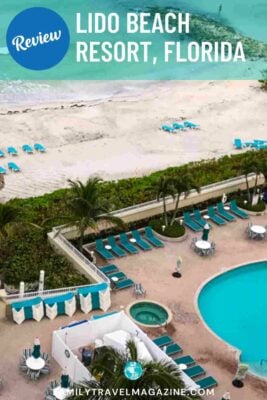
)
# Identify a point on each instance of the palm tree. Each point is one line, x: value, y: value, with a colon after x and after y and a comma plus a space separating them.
x: 182, y: 185
x: 247, y: 166
x: 87, y: 207
x: 108, y: 368
x: 9, y: 217
x: 164, y: 189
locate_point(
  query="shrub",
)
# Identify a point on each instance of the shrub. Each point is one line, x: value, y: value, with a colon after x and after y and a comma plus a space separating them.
x: 174, y: 231
x: 23, y: 255
x: 247, y: 206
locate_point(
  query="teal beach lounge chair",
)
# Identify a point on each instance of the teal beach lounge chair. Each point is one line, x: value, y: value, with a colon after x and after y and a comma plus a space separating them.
x: 237, y: 211
x: 190, y: 223
x: 115, y: 248
x: 13, y: 167
x: 223, y: 213
x: 108, y: 269
x: 215, y: 217
x: 163, y: 340
x: 127, y: 245
x: 27, y: 149
x: 39, y: 147
x: 144, y: 245
x: 12, y: 151
x: 207, y: 382
x: 100, y: 248
x: 150, y: 237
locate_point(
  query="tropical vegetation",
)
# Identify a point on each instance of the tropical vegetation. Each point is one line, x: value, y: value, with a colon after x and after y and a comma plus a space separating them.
x: 87, y: 208
x: 22, y: 246
x: 108, y: 368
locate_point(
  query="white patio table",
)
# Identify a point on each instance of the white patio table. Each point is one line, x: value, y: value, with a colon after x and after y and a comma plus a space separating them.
x: 61, y: 393
x: 259, y: 231
x: 35, y: 364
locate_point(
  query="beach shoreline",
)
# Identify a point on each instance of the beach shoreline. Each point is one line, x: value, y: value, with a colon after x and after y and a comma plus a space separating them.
x: 120, y: 136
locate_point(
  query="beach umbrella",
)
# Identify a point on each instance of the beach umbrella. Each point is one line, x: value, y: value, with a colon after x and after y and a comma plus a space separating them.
x: 36, y: 348
x: 64, y: 380
x: 205, y: 233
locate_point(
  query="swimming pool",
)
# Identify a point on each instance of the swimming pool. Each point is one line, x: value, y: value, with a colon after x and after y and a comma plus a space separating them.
x: 149, y: 313
x: 234, y: 306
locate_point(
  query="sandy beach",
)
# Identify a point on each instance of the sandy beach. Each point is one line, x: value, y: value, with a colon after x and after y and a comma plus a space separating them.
x: 120, y: 136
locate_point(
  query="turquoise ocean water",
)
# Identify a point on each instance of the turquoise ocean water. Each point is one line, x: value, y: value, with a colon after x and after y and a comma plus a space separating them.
x: 248, y: 17
x: 234, y: 306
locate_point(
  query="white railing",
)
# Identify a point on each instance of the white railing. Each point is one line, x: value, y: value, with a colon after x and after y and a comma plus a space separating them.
x: 85, y: 260
x: 44, y: 293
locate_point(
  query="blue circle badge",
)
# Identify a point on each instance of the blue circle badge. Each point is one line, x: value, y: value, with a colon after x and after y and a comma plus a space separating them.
x: 133, y: 370
x: 38, y: 38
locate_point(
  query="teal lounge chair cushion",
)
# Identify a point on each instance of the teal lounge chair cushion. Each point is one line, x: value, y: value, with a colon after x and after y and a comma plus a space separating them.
x: 195, y: 371
x: 173, y: 349
x: 207, y: 382
x: 108, y: 269
x: 187, y: 360
x: 163, y: 340
x: 124, y: 284
x: 190, y: 223
x: 237, y: 211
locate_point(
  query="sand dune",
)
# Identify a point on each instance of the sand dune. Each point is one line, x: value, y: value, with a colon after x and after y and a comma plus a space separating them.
x: 120, y: 137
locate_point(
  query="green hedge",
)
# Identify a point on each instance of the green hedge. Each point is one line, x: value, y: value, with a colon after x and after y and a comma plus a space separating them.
x: 174, y: 231
x: 260, y: 207
x: 132, y: 191
x: 23, y: 255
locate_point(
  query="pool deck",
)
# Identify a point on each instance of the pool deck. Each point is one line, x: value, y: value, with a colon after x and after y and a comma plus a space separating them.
x: 154, y: 270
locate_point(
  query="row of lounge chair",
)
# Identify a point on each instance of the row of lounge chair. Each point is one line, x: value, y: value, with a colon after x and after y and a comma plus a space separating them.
x: 179, y: 126
x: 257, y: 144
x: 193, y: 370
x: 219, y: 216
x: 12, y: 151
x: 126, y: 245
x: 112, y: 271
x: 13, y: 167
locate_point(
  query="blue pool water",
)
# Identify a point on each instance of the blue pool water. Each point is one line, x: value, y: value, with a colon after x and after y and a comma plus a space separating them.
x: 234, y: 306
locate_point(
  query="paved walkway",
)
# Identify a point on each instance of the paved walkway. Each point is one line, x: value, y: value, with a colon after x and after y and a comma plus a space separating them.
x: 154, y: 269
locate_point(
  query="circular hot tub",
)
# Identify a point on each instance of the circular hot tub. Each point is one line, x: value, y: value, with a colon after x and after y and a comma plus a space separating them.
x: 149, y: 313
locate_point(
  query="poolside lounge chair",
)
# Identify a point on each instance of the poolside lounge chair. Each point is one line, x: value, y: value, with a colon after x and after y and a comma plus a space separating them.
x: 127, y: 245
x: 109, y: 269
x: 190, y: 223
x: 2, y: 154
x: 191, y: 125
x: 167, y: 128
x: 195, y: 371
x: 150, y: 237
x: 207, y: 382
x: 27, y: 149
x: 187, y: 360
x: 173, y: 348
x: 115, y: 248
x: 126, y: 283
x: 163, y: 340
x: 235, y: 210
x: 120, y: 275
x: 140, y: 241
x: 13, y: 167
x: 39, y: 147
x: 12, y: 151
x: 178, y: 126
x: 215, y: 217
x: 2, y: 171
x: 100, y: 248
x: 223, y: 213
x: 198, y: 218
